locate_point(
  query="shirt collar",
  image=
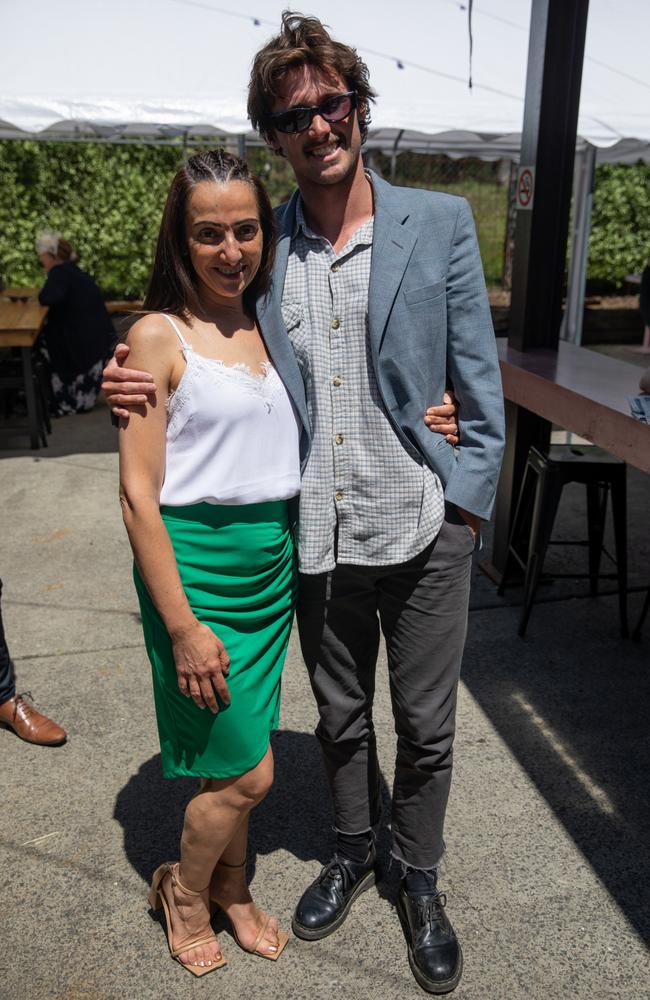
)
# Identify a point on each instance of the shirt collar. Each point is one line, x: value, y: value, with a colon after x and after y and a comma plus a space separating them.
x: 300, y: 223
x: 364, y: 233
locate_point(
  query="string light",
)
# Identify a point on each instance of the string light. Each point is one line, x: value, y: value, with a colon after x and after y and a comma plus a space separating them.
x: 404, y: 63
x: 521, y: 27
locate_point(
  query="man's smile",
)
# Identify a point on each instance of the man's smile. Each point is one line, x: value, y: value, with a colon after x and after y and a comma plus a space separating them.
x: 324, y: 150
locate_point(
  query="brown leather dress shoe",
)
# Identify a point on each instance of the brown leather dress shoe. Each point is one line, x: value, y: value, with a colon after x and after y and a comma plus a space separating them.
x: 33, y: 727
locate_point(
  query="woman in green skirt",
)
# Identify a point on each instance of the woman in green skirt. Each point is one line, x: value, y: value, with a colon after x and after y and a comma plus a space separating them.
x: 206, y: 476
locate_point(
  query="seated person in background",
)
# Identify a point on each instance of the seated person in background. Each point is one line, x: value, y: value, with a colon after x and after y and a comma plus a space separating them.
x: 78, y: 334
x: 16, y: 712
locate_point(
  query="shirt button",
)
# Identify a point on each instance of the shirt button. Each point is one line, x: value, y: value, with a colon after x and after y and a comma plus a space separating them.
x: 339, y: 439
x: 336, y: 324
x: 336, y: 267
x: 337, y: 380
x: 338, y: 495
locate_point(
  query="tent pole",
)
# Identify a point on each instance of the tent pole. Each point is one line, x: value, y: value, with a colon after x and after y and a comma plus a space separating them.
x: 583, y: 191
x: 509, y: 236
x: 548, y: 142
x: 393, y: 156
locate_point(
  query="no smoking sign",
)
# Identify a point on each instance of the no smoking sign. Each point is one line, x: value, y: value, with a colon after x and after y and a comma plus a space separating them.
x: 525, y: 188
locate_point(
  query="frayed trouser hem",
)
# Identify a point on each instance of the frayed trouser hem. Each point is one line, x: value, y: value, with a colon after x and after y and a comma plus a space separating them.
x: 396, y: 855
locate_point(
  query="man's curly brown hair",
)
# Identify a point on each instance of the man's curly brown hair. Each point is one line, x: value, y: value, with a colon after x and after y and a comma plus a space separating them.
x: 304, y: 41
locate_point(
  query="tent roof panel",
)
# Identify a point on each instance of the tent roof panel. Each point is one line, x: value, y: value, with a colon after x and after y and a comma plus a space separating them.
x: 146, y: 69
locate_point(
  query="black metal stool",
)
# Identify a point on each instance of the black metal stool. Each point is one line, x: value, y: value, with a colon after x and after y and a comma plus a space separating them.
x: 636, y: 635
x: 544, y: 478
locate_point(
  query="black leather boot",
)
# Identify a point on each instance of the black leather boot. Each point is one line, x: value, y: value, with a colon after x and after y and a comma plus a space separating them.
x: 434, y: 953
x: 326, y: 903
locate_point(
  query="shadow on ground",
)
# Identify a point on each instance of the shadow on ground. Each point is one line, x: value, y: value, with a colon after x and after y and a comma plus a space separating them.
x: 78, y: 434
x: 573, y: 710
x: 295, y: 816
x: 571, y: 698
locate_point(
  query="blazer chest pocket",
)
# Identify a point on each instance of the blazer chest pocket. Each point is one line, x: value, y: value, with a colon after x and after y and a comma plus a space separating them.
x: 292, y: 314
x: 414, y: 296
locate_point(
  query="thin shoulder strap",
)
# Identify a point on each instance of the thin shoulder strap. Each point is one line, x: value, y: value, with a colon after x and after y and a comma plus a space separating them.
x: 180, y: 336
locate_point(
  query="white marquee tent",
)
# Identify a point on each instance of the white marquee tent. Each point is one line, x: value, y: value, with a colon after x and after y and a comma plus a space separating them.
x: 164, y: 70
x: 160, y: 68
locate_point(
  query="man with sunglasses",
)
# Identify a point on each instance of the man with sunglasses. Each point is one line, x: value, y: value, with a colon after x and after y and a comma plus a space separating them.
x: 382, y: 294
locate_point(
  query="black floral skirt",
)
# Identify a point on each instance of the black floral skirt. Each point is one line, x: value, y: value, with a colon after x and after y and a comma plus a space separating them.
x: 77, y: 394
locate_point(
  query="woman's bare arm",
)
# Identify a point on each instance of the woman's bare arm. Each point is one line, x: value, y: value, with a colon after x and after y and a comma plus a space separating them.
x: 201, y: 660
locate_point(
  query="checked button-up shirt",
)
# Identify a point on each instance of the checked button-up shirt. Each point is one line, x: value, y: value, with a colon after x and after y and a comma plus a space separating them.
x: 366, y: 498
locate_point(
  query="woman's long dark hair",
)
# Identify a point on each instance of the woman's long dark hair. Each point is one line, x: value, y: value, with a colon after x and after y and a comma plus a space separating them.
x: 173, y: 285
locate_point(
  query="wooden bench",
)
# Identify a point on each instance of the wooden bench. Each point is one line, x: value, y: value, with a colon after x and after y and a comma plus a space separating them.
x: 123, y: 306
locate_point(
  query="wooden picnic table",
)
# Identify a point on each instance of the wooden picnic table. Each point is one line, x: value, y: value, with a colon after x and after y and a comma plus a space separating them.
x: 19, y: 294
x: 576, y: 389
x: 20, y: 325
x: 581, y: 391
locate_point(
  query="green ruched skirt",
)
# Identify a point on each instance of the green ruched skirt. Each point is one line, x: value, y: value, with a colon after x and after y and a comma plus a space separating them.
x: 237, y: 567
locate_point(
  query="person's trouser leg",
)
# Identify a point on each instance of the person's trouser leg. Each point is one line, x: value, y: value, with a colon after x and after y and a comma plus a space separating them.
x: 7, y: 673
x: 339, y: 636
x: 423, y: 607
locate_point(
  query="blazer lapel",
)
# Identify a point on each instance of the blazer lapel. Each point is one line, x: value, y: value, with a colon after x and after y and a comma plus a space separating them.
x: 285, y: 217
x: 392, y: 246
x: 269, y: 317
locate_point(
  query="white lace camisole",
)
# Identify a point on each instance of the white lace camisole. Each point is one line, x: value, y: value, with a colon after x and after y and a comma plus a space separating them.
x: 232, y: 436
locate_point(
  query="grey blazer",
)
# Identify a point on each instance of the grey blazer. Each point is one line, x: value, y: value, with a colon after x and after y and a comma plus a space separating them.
x: 429, y: 326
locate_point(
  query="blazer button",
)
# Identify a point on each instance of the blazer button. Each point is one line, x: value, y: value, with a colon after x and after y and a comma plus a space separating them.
x: 337, y: 380
x: 338, y: 495
x: 339, y: 439
x: 336, y: 324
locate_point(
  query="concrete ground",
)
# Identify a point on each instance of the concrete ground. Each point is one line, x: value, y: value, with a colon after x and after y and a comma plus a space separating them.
x: 548, y: 861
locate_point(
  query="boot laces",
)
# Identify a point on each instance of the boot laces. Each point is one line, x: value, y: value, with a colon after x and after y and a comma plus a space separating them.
x: 335, y: 871
x: 430, y: 911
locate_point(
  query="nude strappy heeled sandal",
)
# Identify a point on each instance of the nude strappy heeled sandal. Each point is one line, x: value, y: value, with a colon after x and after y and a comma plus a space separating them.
x: 157, y: 899
x: 283, y: 937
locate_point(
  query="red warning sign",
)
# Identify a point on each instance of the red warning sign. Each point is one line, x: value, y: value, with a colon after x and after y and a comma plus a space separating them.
x: 525, y: 187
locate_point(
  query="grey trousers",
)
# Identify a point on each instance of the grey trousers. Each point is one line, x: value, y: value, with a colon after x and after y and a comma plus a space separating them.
x: 421, y: 608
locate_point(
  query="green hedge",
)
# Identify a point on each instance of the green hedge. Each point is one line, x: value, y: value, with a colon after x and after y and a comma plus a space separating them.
x: 107, y: 200
x: 620, y: 222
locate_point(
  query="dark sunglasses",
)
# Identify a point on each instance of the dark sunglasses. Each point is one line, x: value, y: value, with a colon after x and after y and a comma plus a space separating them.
x: 334, y: 109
